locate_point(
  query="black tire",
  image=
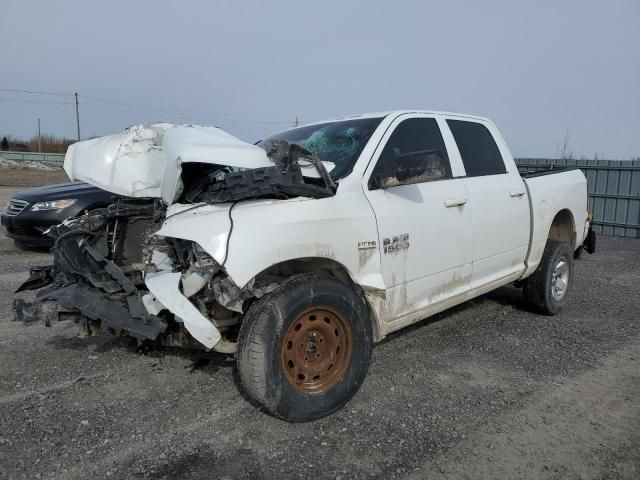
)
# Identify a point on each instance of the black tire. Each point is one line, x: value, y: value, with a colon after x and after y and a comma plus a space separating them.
x: 261, y: 347
x: 590, y: 242
x: 538, y: 289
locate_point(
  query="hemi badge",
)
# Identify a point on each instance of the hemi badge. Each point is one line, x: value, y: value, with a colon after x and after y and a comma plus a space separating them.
x: 367, y: 244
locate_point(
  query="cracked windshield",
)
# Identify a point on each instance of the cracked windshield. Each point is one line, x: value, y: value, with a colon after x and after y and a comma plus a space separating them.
x: 338, y: 142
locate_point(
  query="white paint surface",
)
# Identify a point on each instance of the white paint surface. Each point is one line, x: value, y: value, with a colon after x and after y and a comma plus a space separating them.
x: 165, y: 287
x: 145, y: 160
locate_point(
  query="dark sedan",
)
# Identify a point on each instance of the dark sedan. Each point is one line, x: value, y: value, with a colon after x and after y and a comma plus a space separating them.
x: 30, y: 212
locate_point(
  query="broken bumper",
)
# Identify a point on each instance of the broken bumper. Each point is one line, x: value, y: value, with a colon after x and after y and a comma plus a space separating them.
x: 102, y: 279
x: 134, y: 314
x: 165, y: 287
x: 79, y: 302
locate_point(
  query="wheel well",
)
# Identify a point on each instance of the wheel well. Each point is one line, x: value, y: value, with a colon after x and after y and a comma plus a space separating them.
x: 562, y: 228
x: 307, y: 265
x: 328, y: 266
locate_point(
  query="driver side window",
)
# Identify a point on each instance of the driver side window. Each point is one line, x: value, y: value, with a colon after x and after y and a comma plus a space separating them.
x: 414, y: 141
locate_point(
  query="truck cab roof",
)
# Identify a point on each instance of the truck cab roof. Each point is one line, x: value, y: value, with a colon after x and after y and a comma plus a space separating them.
x: 395, y: 113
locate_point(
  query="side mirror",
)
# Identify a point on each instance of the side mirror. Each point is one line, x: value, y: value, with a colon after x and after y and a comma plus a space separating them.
x: 419, y: 167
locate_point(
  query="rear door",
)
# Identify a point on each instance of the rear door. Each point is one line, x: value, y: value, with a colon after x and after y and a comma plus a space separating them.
x: 500, y: 214
x: 424, y: 228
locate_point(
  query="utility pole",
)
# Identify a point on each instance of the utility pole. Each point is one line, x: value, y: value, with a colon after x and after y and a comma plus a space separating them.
x: 39, y: 142
x: 296, y: 122
x: 77, y: 117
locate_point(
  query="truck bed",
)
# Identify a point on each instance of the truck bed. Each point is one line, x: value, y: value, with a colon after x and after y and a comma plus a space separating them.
x: 542, y: 173
x: 551, y: 192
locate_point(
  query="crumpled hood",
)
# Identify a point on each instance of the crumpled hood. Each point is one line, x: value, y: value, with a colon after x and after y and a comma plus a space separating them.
x: 145, y: 160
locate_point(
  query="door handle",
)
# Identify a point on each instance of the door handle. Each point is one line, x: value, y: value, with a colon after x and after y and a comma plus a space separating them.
x: 455, y: 202
x: 517, y: 193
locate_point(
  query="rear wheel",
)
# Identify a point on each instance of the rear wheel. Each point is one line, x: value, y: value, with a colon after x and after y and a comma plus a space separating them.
x: 304, y: 350
x: 547, y: 289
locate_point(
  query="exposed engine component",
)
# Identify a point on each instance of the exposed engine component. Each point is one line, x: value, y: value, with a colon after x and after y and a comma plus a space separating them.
x: 99, y: 263
x: 98, y: 277
x: 282, y: 180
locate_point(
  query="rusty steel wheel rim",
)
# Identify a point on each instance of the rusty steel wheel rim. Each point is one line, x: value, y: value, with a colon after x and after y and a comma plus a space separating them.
x: 316, y: 350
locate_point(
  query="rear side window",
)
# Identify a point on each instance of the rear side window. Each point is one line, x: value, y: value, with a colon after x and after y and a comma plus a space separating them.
x: 414, y: 136
x: 478, y: 149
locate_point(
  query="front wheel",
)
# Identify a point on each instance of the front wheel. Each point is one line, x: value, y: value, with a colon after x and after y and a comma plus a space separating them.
x: 547, y: 289
x: 304, y: 349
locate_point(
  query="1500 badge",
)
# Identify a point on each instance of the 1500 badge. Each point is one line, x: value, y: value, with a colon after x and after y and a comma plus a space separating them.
x: 395, y: 243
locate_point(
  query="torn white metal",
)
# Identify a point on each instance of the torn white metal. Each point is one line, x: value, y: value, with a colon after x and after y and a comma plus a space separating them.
x: 165, y: 286
x: 145, y: 160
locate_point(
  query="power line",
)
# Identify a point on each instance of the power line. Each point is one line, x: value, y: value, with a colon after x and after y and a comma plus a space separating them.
x: 33, y: 91
x: 32, y: 115
x: 138, y: 108
x: 33, y: 101
x: 168, y: 109
x: 174, y: 114
x: 144, y: 109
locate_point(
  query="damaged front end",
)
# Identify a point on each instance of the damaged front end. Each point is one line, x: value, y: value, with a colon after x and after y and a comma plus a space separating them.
x: 111, y: 273
x: 97, y: 274
x: 114, y: 271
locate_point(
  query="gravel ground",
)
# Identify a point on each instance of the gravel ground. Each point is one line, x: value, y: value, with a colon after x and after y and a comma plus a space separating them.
x: 486, y: 390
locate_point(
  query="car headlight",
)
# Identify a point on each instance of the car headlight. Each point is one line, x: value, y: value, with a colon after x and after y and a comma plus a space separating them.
x: 53, y: 205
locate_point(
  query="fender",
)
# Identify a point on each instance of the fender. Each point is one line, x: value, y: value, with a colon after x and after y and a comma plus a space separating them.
x: 249, y: 237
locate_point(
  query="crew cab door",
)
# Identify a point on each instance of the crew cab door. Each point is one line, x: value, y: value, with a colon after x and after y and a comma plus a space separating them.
x: 500, y: 214
x: 424, y: 221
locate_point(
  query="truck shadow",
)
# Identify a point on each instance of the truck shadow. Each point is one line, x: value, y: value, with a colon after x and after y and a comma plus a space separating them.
x: 508, y: 296
x: 207, y: 362
x: 100, y: 343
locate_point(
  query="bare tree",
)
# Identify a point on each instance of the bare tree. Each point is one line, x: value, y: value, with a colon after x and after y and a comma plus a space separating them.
x: 49, y: 143
x: 565, y: 151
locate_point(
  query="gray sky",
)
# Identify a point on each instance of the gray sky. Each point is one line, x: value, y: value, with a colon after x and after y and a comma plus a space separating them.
x: 538, y: 69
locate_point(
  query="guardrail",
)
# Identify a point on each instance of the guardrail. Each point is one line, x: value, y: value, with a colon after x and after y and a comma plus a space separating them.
x: 54, y: 159
x: 614, y: 191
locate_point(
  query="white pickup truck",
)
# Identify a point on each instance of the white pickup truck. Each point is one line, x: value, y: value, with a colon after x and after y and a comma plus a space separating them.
x: 299, y: 252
